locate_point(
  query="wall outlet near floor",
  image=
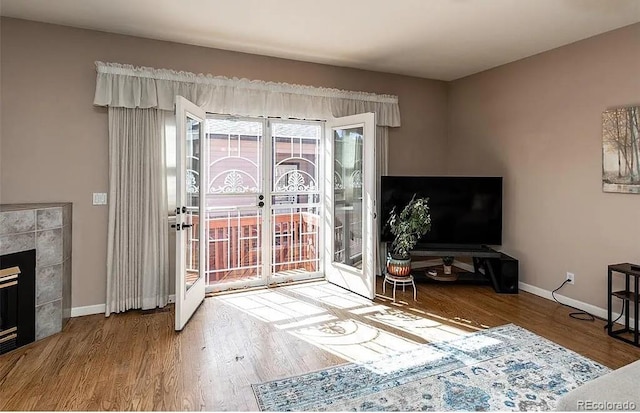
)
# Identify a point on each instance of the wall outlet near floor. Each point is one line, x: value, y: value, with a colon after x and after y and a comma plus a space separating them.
x: 570, y: 277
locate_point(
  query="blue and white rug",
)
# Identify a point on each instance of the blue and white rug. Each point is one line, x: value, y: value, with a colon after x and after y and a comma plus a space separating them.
x: 502, y: 368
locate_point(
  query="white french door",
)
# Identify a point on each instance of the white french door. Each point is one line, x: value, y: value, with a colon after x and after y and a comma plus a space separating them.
x: 271, y: 201
x: 350, y: 203
x: 190, y: 255
x: 263, y: 201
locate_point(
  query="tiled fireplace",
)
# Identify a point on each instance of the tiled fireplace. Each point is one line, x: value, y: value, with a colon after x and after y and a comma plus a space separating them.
x: 45, y: 228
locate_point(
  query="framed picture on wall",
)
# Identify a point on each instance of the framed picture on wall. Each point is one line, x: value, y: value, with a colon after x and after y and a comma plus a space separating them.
x: 621, y: 150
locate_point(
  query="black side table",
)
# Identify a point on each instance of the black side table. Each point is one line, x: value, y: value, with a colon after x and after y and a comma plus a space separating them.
x: 628, y: 296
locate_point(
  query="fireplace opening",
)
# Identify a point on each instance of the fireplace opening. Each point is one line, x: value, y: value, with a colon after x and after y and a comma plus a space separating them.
x: 17, y: 299
x: 8, y: 308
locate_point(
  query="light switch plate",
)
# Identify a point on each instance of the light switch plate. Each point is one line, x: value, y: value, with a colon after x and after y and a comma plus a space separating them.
x: 99, y: 198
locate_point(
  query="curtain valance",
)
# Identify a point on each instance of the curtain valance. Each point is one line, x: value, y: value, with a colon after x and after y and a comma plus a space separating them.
x: 126, y: 86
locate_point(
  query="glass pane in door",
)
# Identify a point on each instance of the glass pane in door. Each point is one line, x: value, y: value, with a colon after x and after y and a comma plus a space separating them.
x: 347, y: 245
x: 234, y: 221
x: 191, y: 213
x: 295, y: 198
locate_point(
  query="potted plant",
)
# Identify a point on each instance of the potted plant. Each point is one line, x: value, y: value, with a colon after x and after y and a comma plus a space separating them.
x: 446, y: 264
x: 407, y: 228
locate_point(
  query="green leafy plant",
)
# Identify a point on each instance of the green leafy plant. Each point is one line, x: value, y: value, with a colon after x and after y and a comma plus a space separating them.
x: 409, y: 226
x: 447, y: 261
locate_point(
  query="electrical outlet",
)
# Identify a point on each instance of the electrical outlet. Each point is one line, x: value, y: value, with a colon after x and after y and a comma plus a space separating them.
x: 570, y: 277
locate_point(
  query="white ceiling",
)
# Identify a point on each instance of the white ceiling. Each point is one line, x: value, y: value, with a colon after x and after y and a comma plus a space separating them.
x: 437, y: 39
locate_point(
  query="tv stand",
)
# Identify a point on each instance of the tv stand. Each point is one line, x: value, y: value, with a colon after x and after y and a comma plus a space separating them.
x: 480, y: 251
x: 500, y: 269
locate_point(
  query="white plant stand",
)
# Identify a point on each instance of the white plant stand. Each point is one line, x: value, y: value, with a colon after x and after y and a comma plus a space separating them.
x: 399, y: 281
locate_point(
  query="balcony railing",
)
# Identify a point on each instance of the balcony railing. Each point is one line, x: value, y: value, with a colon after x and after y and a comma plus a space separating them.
x: 234, y: 245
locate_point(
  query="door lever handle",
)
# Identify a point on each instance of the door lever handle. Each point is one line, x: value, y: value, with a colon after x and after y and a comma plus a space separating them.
x: 183, y: 226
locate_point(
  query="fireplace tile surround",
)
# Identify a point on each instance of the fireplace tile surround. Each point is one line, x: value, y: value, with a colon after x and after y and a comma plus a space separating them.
x: 47, y: 229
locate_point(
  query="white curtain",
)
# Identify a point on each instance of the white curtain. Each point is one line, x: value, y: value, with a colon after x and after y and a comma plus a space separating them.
x: 137, y: 255
x: 127, y: 86
x: 382, y: 168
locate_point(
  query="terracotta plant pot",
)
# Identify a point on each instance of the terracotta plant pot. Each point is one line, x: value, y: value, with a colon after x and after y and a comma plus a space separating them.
x: 398, y: 267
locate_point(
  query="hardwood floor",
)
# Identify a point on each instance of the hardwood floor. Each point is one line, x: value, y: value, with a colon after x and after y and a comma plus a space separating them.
x: 135, y: 361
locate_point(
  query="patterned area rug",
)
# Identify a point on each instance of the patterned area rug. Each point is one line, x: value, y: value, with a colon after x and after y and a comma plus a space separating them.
x: 502, y: 368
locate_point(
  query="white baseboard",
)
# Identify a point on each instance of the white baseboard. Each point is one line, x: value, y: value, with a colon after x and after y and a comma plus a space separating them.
x: 592, y: 309
x: 88, y: 310
x: 101, y: 308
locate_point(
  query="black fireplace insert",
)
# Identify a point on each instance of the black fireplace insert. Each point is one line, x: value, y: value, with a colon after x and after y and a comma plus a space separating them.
x: 17, y: 299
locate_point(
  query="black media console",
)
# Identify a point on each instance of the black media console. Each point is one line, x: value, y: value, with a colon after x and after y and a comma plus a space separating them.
x: 500, y: 269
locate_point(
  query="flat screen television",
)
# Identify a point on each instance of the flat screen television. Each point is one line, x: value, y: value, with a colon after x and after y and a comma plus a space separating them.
x: 465, y: 211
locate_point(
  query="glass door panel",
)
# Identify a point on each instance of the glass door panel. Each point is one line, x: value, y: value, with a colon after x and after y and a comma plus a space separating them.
x: 234, y: 217
x: 191, y: 212
x: 235, y: 241
x: 347, y: 191
x: 295, y: 200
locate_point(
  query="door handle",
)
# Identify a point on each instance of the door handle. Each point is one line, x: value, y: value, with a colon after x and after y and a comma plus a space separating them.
x: 181, y: 226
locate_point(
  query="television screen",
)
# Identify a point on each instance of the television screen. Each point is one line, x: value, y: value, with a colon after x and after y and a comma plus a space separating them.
x: 464, y: 210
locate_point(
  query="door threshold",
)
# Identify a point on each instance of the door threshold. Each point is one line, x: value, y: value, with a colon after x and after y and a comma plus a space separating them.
x: 263, y: 287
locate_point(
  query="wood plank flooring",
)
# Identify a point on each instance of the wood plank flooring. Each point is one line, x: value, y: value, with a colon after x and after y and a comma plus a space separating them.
x: 135, y: 361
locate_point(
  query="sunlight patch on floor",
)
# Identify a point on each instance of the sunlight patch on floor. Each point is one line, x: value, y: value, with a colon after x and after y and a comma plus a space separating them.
x: 355, y: 341
x: 456, y: 320
x: 427, y: 329
x: 372, y: 341
x: 472, y: 344
x: 369, y: 310
x: 330, y: 294
x: 308, y: 321
x: 271, y: 306
x: 423, y: 354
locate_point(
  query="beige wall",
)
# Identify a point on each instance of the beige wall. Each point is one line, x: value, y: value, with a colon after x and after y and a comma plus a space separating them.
x: 54, y: 142
x: 537, y: 122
